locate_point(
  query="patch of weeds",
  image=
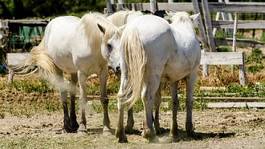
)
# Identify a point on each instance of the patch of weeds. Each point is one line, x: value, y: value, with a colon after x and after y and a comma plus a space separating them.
x: 262, y: 38
x: 28, y: 86
x: 254, y: 61
x: 248, y: 91
x: 224, y: 49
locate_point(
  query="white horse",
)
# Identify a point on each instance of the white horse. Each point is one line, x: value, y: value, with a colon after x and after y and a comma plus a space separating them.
x: 119, y: 19
x: 150, y: 49
x: 74, y: 46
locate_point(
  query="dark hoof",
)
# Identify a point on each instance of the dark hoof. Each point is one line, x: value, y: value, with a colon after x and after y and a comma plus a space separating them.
x: 130, y: 130
x: 68, y: 129
x: 161, y: 130
x: 74, y: 126
x: 123, y: 139
x: 191, y: 134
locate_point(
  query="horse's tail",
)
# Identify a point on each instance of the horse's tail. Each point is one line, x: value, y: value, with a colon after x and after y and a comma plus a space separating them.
x: 135, y: 62
x: 38, y: 59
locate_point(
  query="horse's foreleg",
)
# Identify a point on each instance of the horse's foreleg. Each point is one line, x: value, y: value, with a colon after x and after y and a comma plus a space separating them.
x: 73, y: 122
x: 104, y: 99
x: 157, y: 107
x: 83, y: 100
x: 190, y: 80
x: 175, y: 104
x: 120, y: 132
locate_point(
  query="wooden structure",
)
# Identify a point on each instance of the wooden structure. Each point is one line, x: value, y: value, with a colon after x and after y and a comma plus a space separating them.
x: 226, y: 58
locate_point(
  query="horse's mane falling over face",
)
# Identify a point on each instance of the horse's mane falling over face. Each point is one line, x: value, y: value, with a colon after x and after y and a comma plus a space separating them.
x: 89, y: 23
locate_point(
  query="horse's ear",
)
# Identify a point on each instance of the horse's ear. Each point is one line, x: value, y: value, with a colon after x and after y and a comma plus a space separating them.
x: 120, y: 29
x: 101, y: 28
x: 195, y: 17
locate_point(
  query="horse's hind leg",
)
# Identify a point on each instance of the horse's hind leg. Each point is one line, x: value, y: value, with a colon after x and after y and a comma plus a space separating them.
x: 104, y: 99
x: 190, y: 80
x: 73, y: 122
x: 175, y: 104
x: 157, y: 107
x: 148, y: 98
x: 83, y: 100
x: 67, y: 125
x: 63, y: 96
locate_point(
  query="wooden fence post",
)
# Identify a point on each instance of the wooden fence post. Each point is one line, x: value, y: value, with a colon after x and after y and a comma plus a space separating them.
x: 202, y: 34
x: 242, y: 73
x: 109, y: 7
x: 234, y: 34
x: 153, y: 6
x: 208, y: 25
x: 205, y: 71
x: 120, y: 5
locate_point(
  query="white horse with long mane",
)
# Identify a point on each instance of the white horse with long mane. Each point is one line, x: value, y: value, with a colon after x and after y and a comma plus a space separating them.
x: 150, y: 49
x: 76, y: 47
x: 119, y: 19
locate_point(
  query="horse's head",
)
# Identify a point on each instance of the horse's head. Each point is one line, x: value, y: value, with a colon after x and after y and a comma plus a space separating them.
x: 181, y: 17
x: 110, y: 46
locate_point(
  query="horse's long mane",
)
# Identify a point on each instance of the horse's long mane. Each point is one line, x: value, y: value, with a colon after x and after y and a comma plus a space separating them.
x: 89, y: 24
x: 119, y: 18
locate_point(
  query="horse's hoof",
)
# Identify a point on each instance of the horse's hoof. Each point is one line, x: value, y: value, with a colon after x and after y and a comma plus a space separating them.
x: 74, y: 126
x: 123, y: 139
x: 191, y: 134
x: 148, y: 134
x: 129, y: 130
x: 68, y: 129
x: 160, y: 131
x: 82, y: 129
x: 106, y: 131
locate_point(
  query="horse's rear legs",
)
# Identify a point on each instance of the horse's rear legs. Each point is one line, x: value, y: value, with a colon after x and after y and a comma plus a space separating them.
x: 175, y: 104
x: 66, y: 121
x: 158, y: 129
x: 73, y: 122
x: 190, y: 80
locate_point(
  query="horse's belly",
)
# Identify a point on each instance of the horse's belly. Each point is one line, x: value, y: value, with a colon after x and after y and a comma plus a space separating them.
x: 65, y: 63
x: 177, y: 71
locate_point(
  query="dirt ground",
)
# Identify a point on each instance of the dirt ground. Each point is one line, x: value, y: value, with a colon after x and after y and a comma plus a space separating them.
x: 215, y: 129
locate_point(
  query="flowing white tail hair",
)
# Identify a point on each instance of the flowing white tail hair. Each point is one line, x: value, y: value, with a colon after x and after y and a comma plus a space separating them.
x: 135, y: 63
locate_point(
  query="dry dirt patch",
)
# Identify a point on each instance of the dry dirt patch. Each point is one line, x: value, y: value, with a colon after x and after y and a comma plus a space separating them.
x: 215, y: 129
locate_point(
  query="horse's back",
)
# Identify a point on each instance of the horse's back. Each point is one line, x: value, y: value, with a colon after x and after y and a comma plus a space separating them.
x: 58, y: 33
x: 157, y: 39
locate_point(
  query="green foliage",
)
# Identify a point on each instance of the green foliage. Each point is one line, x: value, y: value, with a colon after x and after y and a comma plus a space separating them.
x: 29, y: 86
x: 224, y: 49
x: 255, y: 61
